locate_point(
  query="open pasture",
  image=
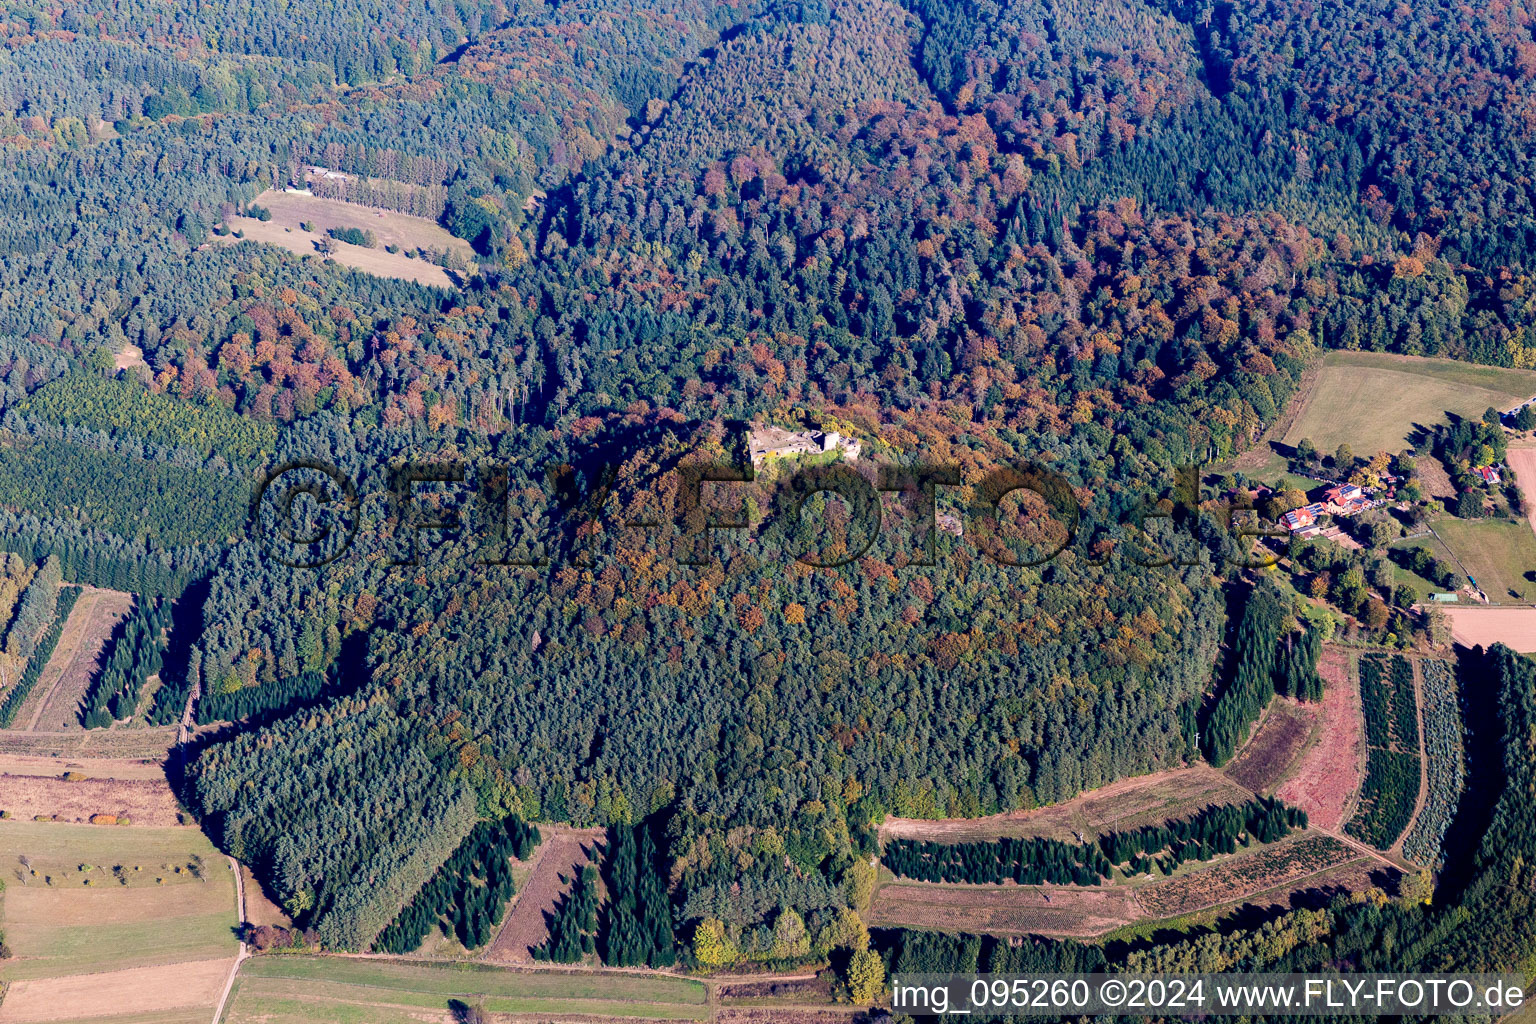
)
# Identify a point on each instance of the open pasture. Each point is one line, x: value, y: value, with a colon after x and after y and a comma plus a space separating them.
x: 290, y: 212
x: 1374, y: 401
x: 87, y: 899
x: 1499, y: 554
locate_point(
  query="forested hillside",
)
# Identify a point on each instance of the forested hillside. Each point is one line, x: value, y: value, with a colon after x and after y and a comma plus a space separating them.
x: 1103, y: 237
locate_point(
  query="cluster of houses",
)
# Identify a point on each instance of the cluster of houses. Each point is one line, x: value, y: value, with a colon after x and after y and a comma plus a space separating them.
x: 1340, y: 501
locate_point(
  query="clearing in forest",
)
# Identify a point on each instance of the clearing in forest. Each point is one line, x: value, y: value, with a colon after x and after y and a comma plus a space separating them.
x: 1238, y: 878
x: 555, y: 863
x: 290, y: 212
x: 1268, y: 757
x: 299, y: 989
x: 105, y: 921
x: 1129, y: 803
x: 1327, y: 776
x: 1373, y: 401
x: 1080, y: 912
x: 55, y: 702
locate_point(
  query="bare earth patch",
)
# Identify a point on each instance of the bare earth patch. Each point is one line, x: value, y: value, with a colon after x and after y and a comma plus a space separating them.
x: 1005, y: 910
x: 556, y: 862
x: 1129, y: 803
x: 1328, y: 774
x: 138, y: 990
x: 130, y: 355
x: 1482, y: 627
x: 1268, y: 757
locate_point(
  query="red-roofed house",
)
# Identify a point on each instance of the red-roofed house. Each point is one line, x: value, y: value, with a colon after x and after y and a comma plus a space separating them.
x: 1298, y: 519
x: 1342, y: 495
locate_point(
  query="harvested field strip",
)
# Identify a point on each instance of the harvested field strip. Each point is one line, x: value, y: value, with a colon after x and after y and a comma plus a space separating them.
x: 316, y: 990
x: 64, y: 796
x: 1327, y: 777
x: 141, y: 990
x: 1241, y: 877
x: 1129, y: 803
x: 112, y: 744
x: 1274, y: 749
x: 125, y: 769
x: 186, y: 1015
x: 131, y: 802
x: 1477, y: 626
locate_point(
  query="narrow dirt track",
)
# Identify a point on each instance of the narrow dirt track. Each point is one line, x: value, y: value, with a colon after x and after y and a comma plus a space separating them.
x: 234, y: 968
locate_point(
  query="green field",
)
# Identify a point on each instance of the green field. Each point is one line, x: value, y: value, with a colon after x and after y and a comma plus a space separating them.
x: 1421, y: 587
x: 75, y: 914
x: 331, y: 990
x: 1373, y: 401
x: 1496, y: 552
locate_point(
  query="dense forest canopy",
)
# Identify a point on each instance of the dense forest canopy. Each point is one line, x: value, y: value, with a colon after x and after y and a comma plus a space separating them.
x: 1104, y: 236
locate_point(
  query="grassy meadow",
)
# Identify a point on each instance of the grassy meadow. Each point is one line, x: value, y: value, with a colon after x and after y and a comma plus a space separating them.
x: 331, y: 990
x: 122, y: 925
x: 1373, y: 401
